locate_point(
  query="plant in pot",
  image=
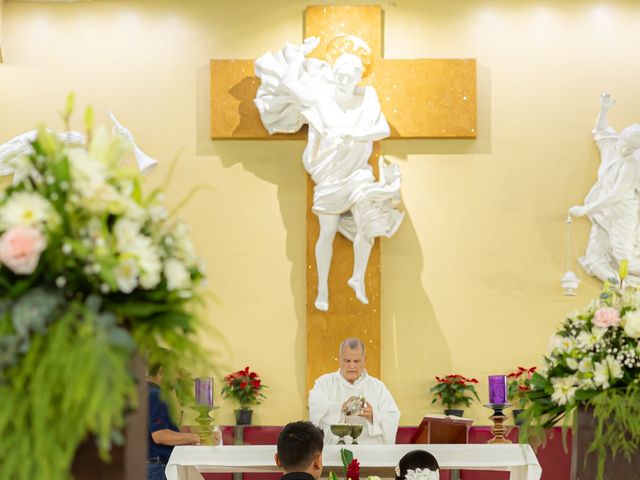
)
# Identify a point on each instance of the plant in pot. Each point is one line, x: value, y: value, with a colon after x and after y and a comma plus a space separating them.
x: 519, y: 385
x: 245, y: 387
x: 93, y: 273
x: 454, y: 390
x: 592, y: 373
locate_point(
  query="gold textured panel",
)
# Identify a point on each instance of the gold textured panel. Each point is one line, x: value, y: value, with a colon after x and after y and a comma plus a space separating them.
x: 233, y: 113
x: 347, y: 317
x: 428, y: 97
x: 327, y: 22
x: 420, y: 98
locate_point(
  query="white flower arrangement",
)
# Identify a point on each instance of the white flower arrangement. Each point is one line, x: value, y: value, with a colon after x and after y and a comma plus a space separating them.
x: 593, y: 361
x: 92, y: 272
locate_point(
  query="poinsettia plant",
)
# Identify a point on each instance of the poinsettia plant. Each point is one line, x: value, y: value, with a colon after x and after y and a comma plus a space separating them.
x: 350, y: 467
x: 245, y: 387
x: 518, y: 386
x: 453, y: 390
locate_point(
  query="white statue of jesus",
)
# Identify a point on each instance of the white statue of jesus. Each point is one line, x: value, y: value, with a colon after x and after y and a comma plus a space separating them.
x: 344, y: 120
x: 613, y: 203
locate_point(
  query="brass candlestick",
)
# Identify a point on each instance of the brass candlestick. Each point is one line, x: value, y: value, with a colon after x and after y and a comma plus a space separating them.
x: 498, y: 430
x: 204, y: 421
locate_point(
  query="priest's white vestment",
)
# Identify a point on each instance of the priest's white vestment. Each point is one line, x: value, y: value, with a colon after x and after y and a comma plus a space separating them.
x: 331, y: 391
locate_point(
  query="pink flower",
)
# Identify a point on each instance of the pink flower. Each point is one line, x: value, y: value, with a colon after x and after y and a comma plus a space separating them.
x: 20, y: 249
x: 606, y: 317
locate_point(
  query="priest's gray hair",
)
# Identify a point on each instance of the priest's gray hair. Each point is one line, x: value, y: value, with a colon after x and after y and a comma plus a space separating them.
x: 353, y: 343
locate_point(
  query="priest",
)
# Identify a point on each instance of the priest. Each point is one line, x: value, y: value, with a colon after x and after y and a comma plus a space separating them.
x: 334, y: 393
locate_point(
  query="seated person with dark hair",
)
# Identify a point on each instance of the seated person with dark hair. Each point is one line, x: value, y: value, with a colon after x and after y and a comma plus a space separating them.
x: 418, y: 465
x: 299, y: 452
x: 163, y: 433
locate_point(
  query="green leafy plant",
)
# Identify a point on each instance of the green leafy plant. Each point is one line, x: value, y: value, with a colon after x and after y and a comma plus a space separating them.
x: 593, y: 362
x: 453, y: 390
x: 92, y: 273
x: 519, y: 384
x: 350, y: 467
x: 245, y: 387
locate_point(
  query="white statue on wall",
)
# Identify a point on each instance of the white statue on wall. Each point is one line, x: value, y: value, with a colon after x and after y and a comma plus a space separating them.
x: 12, y: 152
x: 613, y: 203
x: 344, y: 120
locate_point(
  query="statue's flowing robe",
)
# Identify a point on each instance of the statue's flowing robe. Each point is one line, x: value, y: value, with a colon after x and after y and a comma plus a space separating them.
x: 344, y: 181
x: 332, y: 390
x: 615, y: 234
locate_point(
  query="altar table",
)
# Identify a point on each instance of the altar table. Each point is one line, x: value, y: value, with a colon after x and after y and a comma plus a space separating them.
x: 186, y: 463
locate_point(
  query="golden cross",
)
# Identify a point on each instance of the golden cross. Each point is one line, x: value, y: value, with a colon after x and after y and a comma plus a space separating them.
x: 422, y: 98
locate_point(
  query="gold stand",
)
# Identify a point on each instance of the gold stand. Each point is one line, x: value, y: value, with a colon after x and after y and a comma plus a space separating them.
x: 498, y: 418
x: 204, y: 421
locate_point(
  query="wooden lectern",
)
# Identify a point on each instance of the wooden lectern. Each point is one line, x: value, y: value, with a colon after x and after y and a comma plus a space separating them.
x: 442, y: 429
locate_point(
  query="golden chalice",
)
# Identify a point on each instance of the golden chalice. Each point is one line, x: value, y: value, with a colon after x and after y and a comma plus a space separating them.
x: 356, y: 430
x: 341, y: 430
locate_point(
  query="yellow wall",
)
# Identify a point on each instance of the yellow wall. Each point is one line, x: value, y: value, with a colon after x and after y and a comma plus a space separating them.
x: 471, y: 280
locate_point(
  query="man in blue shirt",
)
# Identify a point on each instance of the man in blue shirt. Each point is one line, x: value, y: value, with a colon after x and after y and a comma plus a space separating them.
x: 163, y: 433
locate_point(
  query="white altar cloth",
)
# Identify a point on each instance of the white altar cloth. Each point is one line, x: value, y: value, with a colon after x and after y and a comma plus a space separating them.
x: 187, y: 462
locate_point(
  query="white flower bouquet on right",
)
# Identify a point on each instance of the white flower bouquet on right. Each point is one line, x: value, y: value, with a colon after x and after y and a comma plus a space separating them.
x: 594, y: 361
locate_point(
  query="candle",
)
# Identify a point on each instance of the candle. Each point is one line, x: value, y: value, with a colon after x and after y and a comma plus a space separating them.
x: 204, y: 391
x: 497, y: 389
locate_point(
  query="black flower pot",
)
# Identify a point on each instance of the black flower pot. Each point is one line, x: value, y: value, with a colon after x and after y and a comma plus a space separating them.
x: 243, y: 416
x: 584, y: 463
x: 456, y: 412
x: 516, y: 416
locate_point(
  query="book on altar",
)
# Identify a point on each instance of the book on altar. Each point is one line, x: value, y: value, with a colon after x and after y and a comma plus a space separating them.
x: 437, y: 428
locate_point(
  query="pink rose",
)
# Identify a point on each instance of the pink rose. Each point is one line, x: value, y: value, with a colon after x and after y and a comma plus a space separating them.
x: 606, y: 317
x: 20, y: 249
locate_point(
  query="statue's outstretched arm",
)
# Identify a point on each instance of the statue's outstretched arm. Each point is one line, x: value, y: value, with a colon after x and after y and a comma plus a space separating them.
x: 606, y: 102
x: 295, y: 57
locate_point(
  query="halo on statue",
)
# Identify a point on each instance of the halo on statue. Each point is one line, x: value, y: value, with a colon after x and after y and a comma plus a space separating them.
x: 347, y: 43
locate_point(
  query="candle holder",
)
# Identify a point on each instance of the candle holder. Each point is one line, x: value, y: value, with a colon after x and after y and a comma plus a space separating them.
x: 204, y: 421
x: 498, y: 430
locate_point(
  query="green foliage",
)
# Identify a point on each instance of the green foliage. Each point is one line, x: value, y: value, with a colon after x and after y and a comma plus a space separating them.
x: 73, y: 381
x: 617, y: 414
x: 454, y: 390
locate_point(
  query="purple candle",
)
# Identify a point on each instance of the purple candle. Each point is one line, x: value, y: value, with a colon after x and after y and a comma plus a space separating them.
x: 204, y: 391
x: 497, y: 389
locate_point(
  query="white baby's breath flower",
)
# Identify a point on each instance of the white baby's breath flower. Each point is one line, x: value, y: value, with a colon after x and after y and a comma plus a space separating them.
x: 158, y: 213
x: 126, y: 274
x: 184, y: 247
x: 26, y: 209
x: 178, y: 277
